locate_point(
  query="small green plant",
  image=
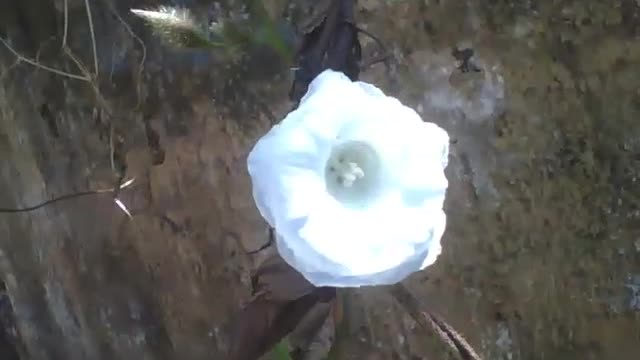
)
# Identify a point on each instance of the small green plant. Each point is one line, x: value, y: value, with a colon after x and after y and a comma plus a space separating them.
x: 280, y: 351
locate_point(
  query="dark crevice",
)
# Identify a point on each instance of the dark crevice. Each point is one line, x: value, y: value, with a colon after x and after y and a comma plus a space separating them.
x: 142, y: 303
x: 175, y: 120
x: 465, y: 61
x: 29, y: 24
x: 9, y: 337
x: 49, y: 118
x: 153, y: 142
x: 631, y: 17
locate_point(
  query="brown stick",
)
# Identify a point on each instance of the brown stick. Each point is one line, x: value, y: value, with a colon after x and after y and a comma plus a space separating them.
x: 456, y: 344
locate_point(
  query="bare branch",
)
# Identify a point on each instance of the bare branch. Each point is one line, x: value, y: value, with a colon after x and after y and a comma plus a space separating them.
x: 43, y: 67
x: 142, y: 46
x: 78, y: 63
x: 69, y: 197
x: 102, y: 102
x: 93, y: 37
x: 269, y: 242
x: 112, y: 151
x: 455, y: 343
x: 65, y: 32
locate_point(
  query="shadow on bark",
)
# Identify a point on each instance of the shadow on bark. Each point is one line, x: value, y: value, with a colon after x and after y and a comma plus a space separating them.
x: 9, y: 336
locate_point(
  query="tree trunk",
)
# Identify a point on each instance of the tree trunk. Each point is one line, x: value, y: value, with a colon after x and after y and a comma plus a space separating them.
x: 541, y: 259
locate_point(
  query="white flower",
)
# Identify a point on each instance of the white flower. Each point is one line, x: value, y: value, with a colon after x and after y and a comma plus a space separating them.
x: 353, y: 183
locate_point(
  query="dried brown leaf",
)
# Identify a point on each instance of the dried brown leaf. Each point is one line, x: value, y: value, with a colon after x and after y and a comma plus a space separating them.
x: 281, y: 298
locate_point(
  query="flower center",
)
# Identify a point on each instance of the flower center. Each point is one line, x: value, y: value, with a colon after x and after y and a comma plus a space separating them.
x: 352, y: 173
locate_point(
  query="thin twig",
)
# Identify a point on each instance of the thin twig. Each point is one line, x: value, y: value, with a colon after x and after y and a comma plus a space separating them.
x: 265, y: 245
x: 93, y: 37
x: 133, y: 35
x: 142, y: 46
x: 92, y: 80
x: 65, y: 30
x: 456, y: 344
x: 78, y: 63
x: 112, y: 152
x: 103, y: 105
x: 114, y: 190
x: 102, y: 102
x: 55, y: 200
x: 372, y: 36
x: 380, y: 58
x: 40, y: 66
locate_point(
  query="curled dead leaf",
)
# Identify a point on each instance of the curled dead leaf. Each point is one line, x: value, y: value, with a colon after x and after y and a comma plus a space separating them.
x: 281, y: 299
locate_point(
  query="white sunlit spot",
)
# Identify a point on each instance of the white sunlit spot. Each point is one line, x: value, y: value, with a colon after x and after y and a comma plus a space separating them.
x: 127, y: 183
x: 122, y: 207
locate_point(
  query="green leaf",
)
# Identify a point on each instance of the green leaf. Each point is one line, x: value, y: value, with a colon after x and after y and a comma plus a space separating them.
x: 280, y: 351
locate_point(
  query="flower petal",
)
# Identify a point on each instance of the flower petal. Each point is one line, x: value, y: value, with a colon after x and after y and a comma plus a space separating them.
x: 284, y: 165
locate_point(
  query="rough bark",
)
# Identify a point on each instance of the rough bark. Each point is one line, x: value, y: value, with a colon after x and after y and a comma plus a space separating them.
x: 541, y: 258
